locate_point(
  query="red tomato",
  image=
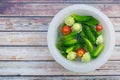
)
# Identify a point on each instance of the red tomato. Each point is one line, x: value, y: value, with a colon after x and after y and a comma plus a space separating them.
x: 66, y: 30
x: 99, y: 27
x: 80, y: 52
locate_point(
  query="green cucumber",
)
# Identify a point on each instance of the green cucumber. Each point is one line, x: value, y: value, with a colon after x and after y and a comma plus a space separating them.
x: 70, y: 49
x: 70, y: 42
x: 92, y: 22
x: 68, y: 37
x: 98, y: 50
x: 82, y: 34
x: 88, y: 45
x: 89, y: 34
x: 95, y: 32
x: 81, y: 18
x: 77, y: 46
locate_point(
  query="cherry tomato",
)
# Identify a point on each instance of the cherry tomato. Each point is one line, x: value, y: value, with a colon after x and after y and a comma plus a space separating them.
x: 66, y: 30
x: 80, y: 52
x: 99, y: 27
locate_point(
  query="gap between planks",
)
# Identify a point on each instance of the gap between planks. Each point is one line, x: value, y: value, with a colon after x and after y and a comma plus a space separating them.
x: 18, y: 76
x: 59, y: 77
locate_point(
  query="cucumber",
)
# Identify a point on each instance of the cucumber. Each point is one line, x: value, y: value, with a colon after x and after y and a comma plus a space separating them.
x: 92, y: 22
x: 68, y: 37
x: 95, y: 32
x: 76, y: 46
x: 88, y: 45
x: 89, y: 34
x: 81, y: 18
x: 70, y: 49
x: 98, y: 50
x: 70, y: 42
x: 82, y: 34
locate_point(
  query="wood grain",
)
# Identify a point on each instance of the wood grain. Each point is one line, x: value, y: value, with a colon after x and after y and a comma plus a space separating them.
x: 25, y: 53
x: 42, y: 78
x: 111, y: 10
x: 38, y: 53
x: 62, y: 78
x: 36, y: 24
x: 23, y: 38
x: 58, y: 1
x: 24, y: 24
x: 23, y: 44
x: 53, y: 68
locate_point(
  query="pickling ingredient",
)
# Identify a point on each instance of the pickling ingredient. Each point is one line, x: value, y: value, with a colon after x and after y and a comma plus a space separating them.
x: 81, y: 18
x: 86, y: 57
x: 89, y: 34
x: 66, y: 30
x: 70, y: 49
x: 80, y: 52
x: 71, y: 56
x: 99, y: 27
x: 98, y: 50
x: 99, y: 39
x: 92, y: 22
x: 95, y: 32
x: 68, y: 37
x: 70, y: 42
x: 77, y: 27
x: 89, y: 45
x: 69, y: 21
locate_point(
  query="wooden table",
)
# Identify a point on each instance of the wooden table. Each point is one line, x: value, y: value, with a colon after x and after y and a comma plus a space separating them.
x: 24, y: 53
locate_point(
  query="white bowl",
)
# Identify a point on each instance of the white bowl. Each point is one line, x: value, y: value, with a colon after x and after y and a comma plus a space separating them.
x: 108, y: 34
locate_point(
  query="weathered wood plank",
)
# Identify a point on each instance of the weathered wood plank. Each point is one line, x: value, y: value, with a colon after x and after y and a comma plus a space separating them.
x: 24, y: 24
x: 37, y: 53
x: 6, y: 9
x: 93, y: 78
x: 63, y: 78
x: 34, y: 9
x: 49, y: 1
x: 23, y: 38
x: 36, y: 24
x: 25, y: 53
x: 115, y: 53
x: 116, y: 23
x: 53, y: 68
x: 44, y: 78
x: 117, y: 40
x: 31, y: 38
